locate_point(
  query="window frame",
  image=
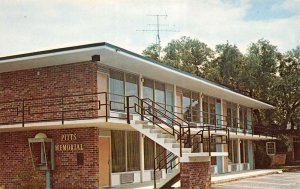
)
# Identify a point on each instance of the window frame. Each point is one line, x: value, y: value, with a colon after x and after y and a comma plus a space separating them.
x: 267, y: 148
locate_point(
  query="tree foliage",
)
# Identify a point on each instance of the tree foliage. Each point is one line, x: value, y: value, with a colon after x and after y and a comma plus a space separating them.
x: 262, y: 72
x: 187, y: 54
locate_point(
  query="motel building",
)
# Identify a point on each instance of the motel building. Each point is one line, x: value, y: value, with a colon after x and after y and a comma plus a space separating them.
x: 97, y: 115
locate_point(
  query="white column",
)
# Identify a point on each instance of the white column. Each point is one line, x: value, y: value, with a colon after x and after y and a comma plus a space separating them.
x: 223, y: 145
x: 142, y: 156
x: 239, y: 153
x: 141, y: 84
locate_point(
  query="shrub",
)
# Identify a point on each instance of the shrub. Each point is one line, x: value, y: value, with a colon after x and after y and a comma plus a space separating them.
x: 30, y: 180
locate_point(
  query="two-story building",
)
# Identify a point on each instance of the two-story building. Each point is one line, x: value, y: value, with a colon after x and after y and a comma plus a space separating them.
x: 98, y: 115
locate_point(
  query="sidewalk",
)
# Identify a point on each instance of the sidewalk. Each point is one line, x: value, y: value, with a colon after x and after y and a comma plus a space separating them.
x: 216, y: 179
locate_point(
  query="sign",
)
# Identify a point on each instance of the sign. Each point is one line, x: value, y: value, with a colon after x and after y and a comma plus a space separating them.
x: 68, y: 144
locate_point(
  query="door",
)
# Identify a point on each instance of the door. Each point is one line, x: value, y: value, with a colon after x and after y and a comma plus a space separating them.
x: 102, y: 86
x: 104, y: 158
x: 297, y: 151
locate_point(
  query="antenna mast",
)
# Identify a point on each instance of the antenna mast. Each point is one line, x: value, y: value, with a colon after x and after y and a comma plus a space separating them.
x: 158, y: 29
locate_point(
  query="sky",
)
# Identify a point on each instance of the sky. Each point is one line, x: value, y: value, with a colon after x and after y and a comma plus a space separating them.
x: 34, y: 25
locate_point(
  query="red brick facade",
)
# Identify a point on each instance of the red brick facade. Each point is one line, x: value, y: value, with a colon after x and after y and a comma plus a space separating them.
x: 47, y: 82
x: 15, y: 158
x: 195, y: 175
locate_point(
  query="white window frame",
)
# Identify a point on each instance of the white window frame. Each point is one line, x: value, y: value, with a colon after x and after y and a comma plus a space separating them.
x: 267, y: 148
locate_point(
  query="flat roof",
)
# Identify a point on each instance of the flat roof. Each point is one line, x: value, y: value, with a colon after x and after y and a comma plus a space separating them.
x: 43, y: 58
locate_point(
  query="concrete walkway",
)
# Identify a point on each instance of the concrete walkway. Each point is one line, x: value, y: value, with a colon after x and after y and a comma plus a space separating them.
x: 215, y: 179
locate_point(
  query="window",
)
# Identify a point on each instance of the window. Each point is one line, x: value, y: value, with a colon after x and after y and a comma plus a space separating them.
x: 195, y: 107
x: 186, y: 105
x: 148, y: 89
x: 243, y: 117
x: 230, y: 152
x: 118, y: 151
x: 125, y: 148
x: 271, y: 148
x: 133, y: 151
x: 205, y: 109
x: 148, y: 153
x: 244, y: 151
x: 116, y: 90
x: 212, y: 149
x: 160, y: 94
x: 121, y: 84
x: 231, y: 117
x: 235, y: 151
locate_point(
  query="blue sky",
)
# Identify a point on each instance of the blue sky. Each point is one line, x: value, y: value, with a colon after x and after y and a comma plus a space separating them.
x: 268, y: 10
x: 39, y: 25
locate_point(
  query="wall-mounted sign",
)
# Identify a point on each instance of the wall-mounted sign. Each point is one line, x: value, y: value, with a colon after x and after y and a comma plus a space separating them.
x: 68, y: 146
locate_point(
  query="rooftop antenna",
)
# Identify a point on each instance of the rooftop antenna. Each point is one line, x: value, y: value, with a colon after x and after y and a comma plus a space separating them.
x: 158, y: 29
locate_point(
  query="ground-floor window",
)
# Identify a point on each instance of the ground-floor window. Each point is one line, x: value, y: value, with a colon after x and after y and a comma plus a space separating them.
x: 148, y: 153
x: 235, y: 151
x: 125, y: 151
x: 270, y: 146
x: 244, y: 151
x: 213, y: 148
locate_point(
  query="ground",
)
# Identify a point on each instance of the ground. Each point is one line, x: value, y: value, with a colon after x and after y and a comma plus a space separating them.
x: 286, y: 180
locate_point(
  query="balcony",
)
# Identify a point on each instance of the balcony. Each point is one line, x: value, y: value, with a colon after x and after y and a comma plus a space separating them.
x: 106, y: 107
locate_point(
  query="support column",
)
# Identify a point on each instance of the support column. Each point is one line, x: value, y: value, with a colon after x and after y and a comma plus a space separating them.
x: 195, y: 175
x: 239, y: 153
x: 142, y: 164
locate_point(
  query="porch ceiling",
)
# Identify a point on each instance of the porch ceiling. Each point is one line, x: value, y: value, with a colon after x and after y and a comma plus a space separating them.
x: 125, y: 60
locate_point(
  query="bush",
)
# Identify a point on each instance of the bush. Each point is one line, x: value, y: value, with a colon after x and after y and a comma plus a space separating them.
x: 30, y: 180
x: 262, y: 160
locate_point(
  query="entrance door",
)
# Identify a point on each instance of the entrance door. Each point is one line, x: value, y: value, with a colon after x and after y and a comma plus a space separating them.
x: 104, y: 156
x: 102, y: 87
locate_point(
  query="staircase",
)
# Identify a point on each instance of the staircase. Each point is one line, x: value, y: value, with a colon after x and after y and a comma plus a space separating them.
x: 168, y: 130
x: 160, y: 136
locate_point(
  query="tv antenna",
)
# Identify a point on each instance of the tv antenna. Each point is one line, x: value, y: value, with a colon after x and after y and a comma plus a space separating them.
x: 158, y: 29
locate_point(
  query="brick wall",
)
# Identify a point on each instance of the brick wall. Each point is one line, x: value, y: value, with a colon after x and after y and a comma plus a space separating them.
x: 15, y: 158
x: 195, y: 175
x: 54, y: 81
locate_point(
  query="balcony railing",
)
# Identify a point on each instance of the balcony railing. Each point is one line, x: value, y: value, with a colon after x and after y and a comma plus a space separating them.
x: 100, y: 105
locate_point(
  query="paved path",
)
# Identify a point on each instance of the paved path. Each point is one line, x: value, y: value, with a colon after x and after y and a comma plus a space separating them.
x: 289, y: 180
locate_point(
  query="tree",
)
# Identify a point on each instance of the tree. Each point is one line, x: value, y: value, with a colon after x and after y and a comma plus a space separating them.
x: 226, y: 67
x: 286, y: 89
x: 187, y: 54
x: 152, y: 51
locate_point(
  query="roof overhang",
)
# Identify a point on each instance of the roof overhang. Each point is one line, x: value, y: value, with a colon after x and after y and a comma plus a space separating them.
x: 120, y: 58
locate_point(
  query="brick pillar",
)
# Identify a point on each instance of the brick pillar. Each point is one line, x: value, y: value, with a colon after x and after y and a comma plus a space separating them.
x: 195, y: 175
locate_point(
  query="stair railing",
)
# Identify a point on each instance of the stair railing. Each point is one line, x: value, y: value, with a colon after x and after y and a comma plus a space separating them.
x: 161, y: 163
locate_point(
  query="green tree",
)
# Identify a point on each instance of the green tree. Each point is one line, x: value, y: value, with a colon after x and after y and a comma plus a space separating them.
x: 152, y: 51
x: 286, y: 90
x: 187, y: 54
x: 226, y: 67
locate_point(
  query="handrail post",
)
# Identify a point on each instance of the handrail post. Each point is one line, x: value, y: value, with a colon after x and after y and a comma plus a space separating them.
x: 23, y: 113
x: 106, y: 107
x: 127, y: 107
x: 142, y: 110
x: 209, y: 150
x: 154, y: 174
x: 180, y: 142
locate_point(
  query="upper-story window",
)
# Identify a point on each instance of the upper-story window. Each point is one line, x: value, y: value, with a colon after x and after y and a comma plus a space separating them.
x: 189, y: 104
x: 120, y: 85
x: 243, y: 117
x: 231, y: 114
x: 209, y: 110
x: 161, y: 93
